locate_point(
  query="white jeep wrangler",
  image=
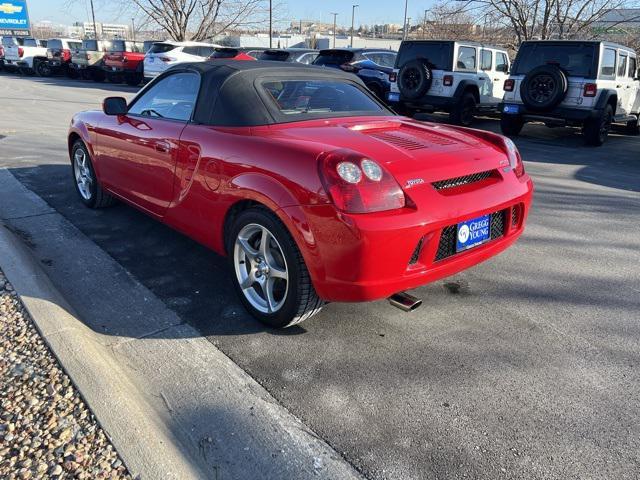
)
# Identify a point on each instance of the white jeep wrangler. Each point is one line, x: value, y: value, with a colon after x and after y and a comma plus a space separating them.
x: 23, y: 53
x: 588, y: 84
x: 462, y: 78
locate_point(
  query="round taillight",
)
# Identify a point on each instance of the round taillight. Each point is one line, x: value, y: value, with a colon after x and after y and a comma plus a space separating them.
x: 371, y: 170
x: 349, y: 172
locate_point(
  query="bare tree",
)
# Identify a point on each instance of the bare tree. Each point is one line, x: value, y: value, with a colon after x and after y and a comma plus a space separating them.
x: 542, y: 19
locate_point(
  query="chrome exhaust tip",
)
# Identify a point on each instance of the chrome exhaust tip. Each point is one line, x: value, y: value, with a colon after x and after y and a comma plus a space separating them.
x: 404, y: 301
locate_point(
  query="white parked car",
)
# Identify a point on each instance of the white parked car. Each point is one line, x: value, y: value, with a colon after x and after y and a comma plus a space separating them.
x: 459, y: 77
x: 23, y: 53
x: 588, y: 84
x: 163, y: 55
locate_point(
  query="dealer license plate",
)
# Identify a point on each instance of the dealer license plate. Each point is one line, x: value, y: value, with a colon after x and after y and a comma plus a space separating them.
x: 473, y: 233
x: 394, y: 97
x: 511, y: 109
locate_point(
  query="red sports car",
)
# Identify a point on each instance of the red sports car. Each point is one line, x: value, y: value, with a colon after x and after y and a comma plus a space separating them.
x: 313, y: 189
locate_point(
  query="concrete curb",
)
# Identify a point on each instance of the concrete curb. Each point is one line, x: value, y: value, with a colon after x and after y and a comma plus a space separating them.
x: 113, y: 399
x: 173, y: 405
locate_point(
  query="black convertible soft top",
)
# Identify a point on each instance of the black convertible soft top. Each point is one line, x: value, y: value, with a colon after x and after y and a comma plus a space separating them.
x: 229, y: 96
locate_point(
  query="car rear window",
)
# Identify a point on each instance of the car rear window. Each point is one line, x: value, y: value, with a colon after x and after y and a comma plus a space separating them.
x: 90, y: 45
x: 577, y: 59
x: 30, y: 42
x: 55, y: 44
x: 117, y: 46
x: 333, y: 57
x: 9, y: 41
x: 75, y: 45
x: 438, y: 54
x: 275, y: 55
x: 161, y: 48
x: 309, y: 97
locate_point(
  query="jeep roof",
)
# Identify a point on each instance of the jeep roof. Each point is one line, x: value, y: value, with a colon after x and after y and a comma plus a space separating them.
x: 441, y: 60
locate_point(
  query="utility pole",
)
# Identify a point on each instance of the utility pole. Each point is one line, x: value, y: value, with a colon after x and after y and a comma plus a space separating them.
x: 424, y: 25
x: 404, y: 25
x: 334, y: 29
x: 133, y: 29
x: 93, y: 15
x: 270, y: 23
x: 353, y: 14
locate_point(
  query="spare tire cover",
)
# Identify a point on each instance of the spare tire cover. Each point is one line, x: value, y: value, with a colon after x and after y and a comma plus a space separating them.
x: 544, y: 87
x: 414, y: 79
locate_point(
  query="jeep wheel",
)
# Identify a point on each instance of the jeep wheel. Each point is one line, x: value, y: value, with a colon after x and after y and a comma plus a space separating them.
x: 464, y: 111
x: 511, y: 125
x: 544, y: 87
x: 269, y: 272
x: 98, y: 75
x: 414, y: 79
x: 633, y: 128
x: 596, y: 130
x: 86, y: 182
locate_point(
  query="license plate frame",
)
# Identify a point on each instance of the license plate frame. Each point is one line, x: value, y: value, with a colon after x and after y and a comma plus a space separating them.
x: 473, y: 232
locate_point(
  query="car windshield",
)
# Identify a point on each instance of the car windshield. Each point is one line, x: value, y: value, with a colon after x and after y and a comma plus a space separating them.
x: 118, y: 46
x: 275, y: 55
x: 161, y: 48
x: 577, y: 59
x: 303, y: 97
x: 439, y: 55
x: 333, y: 57
x: 75, y: 45
x: 9, y: 41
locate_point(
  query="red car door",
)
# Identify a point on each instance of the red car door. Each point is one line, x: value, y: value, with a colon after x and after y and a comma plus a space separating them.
x: 137, y: 152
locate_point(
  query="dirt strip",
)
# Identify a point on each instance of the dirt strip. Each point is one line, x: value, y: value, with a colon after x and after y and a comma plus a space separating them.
x: 46, y: 429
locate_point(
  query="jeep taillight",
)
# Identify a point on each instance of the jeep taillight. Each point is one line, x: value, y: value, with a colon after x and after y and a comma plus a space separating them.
x: 66, y: 55
x: 393, y: 77
x: 447, y: 80
x: 20, y: 52
x: 356, y: 184
x: 509, y: 83
x: 590, y: 90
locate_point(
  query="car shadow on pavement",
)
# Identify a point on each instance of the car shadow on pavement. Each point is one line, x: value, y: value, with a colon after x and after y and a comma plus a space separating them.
x: 190, y: 279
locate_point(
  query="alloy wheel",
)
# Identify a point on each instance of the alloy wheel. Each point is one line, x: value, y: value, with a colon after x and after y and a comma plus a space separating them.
x: 542, y: 87
x: 83, y: 174
x: 261, y: 268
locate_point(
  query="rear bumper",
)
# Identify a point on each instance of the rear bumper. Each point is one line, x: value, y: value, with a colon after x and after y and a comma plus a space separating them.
x: 354, y: 258
x: 559, y: 113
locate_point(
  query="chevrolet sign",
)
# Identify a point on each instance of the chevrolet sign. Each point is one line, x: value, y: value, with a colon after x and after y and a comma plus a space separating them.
x: 14, y: 15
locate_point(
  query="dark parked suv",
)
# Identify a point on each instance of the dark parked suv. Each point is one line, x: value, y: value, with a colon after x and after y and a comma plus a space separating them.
x: 373, y: 66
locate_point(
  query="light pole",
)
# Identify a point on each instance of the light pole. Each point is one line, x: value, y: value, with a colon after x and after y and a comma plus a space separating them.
x: 404, y: 25
x: 133, y: 29
x: 93, y: 15
x: 334, y: 28
x: 424, y: 25
x: 353, y: 14
x: 270, y: 23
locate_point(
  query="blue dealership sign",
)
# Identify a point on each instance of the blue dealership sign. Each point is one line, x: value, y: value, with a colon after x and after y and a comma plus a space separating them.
x: 14, y: 15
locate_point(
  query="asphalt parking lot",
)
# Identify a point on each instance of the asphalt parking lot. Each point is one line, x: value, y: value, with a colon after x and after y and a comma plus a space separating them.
x: 527, y: 366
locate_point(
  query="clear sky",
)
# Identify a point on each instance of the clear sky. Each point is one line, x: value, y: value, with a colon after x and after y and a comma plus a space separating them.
x: 369, y: 12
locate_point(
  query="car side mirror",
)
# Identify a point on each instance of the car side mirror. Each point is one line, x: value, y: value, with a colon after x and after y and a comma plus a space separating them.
x: 114, y: 106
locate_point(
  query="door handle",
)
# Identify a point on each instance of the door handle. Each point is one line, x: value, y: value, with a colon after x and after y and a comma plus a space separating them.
x: 162, y: 147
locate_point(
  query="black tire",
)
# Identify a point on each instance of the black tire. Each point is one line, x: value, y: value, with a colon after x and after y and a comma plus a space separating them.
x: 301, y: 301
x: 544, y: 87
x: 98, y: 75
x: 633, y: 127
x: 73, y: 73
x: 114, y: 78
x: 85, y: 74
x: 99, y: 198
x: 511, y: 125
x: 42, y: 69
x: 133, y: 79
x: 464, y: 110
x: 597, y: 130
x: 414, y: 79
